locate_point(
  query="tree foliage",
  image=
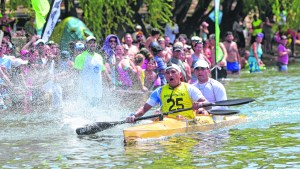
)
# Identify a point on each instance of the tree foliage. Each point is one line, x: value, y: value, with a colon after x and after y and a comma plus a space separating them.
x: 118, y: 16
x: 105, y: 17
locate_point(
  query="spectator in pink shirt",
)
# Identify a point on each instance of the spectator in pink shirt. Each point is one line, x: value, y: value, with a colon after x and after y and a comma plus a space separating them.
x: 283, y: 55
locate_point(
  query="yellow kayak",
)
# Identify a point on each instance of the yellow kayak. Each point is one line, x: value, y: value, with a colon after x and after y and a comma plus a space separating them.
x: 171, y: 126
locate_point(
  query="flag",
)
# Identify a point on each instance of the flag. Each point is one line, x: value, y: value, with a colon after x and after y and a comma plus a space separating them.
x: 212, y: 16
x: 52, y: 20
x: 41, y: 8
x: 217, y: 32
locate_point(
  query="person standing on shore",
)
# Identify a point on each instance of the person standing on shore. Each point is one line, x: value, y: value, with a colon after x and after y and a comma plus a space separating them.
x: 233, y: 58
x: 90, y: 66
x: 256, y: 52
x: 283, y: 55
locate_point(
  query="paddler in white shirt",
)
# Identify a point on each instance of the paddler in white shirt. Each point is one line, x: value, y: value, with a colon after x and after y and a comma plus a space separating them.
x: 212, y: 90
x: 173, y: 96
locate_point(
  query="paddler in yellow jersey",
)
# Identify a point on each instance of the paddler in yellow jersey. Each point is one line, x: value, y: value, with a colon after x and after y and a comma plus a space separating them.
x: 172, y: 96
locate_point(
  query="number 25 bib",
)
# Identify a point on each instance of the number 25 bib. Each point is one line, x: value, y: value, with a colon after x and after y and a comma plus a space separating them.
x: 174, y: 99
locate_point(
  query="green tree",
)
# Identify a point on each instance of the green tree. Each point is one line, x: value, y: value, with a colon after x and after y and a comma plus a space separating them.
x: 105, y: 17
x: 118, y: 16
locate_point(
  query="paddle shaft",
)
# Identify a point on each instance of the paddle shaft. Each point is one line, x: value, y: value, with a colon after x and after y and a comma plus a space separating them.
x: 100, y: 126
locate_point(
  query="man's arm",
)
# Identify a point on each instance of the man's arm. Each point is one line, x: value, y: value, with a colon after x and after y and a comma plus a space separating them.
x: 142, y: 110
x: 151, y: 102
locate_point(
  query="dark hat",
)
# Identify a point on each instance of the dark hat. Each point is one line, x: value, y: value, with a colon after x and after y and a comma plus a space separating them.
x: 177, y: 48
x: 65, y: 54
x: 154, y: 46
x: 156, y: 49
x: 144, y: 52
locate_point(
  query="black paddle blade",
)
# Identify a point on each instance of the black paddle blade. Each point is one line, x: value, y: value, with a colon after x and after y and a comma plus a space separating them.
x: 97, y: 127
x: 88, y: 129
x: 223, y: 112
x: 233, y: 102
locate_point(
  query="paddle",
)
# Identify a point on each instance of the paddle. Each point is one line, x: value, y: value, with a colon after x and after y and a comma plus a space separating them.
x: 100, y: 126
x: 223, y: 112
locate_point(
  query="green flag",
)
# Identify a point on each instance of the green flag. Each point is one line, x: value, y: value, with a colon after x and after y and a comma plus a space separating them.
x: 41, y: 8
x: 219, y: 53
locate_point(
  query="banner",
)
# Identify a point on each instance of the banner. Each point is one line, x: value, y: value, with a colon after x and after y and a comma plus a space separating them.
x: 41, y: 8
x: 52, y: 20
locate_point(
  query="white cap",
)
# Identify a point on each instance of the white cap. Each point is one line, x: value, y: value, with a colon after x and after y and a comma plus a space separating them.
x: 138, y: 27
x: 79, y: 46
x: 39, y: 41
x: 174, y: 66
x: 201, y: 63
x: 196, y: 38
x: 90, y: 38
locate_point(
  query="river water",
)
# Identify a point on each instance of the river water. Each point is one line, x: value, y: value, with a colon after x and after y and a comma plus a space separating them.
x: 269, y: 139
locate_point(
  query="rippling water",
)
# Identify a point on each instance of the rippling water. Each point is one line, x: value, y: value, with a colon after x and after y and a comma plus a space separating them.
x: 269, y: 139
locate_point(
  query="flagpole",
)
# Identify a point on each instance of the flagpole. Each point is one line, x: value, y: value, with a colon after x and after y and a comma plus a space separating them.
x: 47, y: 18
x: 217, y: 35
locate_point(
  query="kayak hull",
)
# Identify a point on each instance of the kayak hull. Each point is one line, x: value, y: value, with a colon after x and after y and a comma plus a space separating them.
x: 172, y: 126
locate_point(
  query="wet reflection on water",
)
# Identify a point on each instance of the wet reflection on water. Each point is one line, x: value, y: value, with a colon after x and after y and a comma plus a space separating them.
x: 270, y: 137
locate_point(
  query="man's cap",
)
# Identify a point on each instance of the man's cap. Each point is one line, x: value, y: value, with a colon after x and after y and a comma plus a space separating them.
x: 160, y: 39
x: 65, y: 54
x: 50, y: 42
x: 201, y: 63
x: 79, y: 46
x: 154, y: 46
x: 173, y: 66
x: 90, y: 38
x: 139, y: 27
x: 196, y: 39
x: 177, y: 48
x: 39, y: 41
x: 182, y: 36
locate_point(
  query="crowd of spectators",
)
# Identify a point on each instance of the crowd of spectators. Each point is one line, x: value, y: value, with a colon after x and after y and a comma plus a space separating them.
x: 136, y: 61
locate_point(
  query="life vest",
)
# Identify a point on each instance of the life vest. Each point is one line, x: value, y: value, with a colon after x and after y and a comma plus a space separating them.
x: 177, y: 98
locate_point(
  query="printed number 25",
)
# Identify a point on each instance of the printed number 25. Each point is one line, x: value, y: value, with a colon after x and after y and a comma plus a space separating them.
x: 176, y: 103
